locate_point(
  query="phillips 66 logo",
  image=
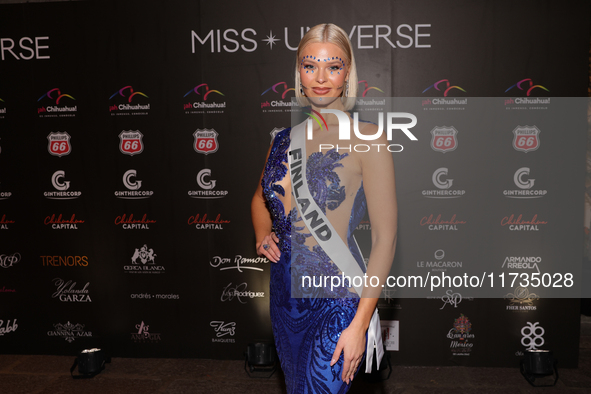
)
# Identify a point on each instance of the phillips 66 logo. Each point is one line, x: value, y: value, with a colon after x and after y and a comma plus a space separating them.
x: 59, y: 144
x: 444, y: 139
x: 527, y: 138
x: 131, y: 142
x: 206, y: 141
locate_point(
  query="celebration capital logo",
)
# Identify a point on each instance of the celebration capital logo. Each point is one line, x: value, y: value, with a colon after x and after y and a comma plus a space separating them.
x: 129, y: 222
x: 59, y: 144
x: 128, y: 102
x: 199, y: 95
x: 526, y: 85
x: 5, y: 223
x: 60, y: 108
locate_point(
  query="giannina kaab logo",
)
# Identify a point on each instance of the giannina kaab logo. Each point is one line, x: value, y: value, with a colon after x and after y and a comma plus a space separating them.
x: 203, y: 100
x: 127, y: 101
x: 55, y: 104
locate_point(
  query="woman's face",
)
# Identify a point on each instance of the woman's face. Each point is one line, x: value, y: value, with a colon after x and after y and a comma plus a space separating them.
x: 323, y: 73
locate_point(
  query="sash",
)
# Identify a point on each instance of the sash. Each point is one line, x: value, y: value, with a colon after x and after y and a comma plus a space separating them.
x: 327, y: 237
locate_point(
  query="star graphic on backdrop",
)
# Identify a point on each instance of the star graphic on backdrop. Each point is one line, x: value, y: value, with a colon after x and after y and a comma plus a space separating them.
x: 271, y: 39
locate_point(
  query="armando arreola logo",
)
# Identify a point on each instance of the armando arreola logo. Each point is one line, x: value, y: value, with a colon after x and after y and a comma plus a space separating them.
x: 461, y: 336
x: 62, y: 186
x: 444, y: 186
x: 345, y: 131
x: 133, y: 185
x: 207, y: 184
x: 143, y: 261
x: 525, y: 186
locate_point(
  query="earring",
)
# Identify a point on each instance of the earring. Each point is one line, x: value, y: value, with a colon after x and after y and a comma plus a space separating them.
x: 302, y: 90
x: 347, y: 89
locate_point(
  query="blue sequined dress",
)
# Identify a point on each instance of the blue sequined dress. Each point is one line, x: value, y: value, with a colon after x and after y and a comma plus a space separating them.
x: 307, y: 329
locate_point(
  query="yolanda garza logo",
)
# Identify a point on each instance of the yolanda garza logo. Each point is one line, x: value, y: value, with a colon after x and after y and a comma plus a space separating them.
x: 532, y: 336
x: 207, y: 185
x: 223, y: 331
x: 445, y: 139
x: 439, y: 264
x: 59, y: 144
x: 526, y: 138
x: 402, y: 36
x: 238, y: 263
x: 127, y: 102
x: 67, y: 291
x: 131, y: 142
x: 7, y: 327
x: 522, y: 263
x: 130, y: 223
x: 143, y: 261
x: 57, y: 222
x: 436, y: 223
x: 518, y: 223
x: 201, y: 222
x: 239, y: 292
x: 525, y: 185
x: 277, y: 98
x: 461, y: 336
x: 444, y: 186
x: 206, y: 141
x: 63, y: 105
x: 70, y: 332
x: 345, y: 130
x: 202, y: 93
x: 521, y: 300
x: 5, y: 223
x: 143, y: 334
x: 133, y: 185
x: 62, y: 186
x: 64, y: 261
x: 9, y: 260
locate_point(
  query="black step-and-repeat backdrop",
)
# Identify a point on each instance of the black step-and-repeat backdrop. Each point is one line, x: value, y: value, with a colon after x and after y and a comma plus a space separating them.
x: 133, y: 134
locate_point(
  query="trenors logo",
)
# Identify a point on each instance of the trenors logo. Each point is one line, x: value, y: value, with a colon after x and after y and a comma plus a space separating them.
x: 127, y: 95
x: 58, y: 97
x: 526, y: 85
x: 59, y: 144
x: 445, y: 88
x: 345, y: 129
x: 527, y: 138
x: 280, y: 89
x: 445, y: 139
x: 203, y: 92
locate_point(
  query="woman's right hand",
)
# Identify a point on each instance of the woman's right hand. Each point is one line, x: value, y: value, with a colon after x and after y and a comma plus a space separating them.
x: 268, y: 248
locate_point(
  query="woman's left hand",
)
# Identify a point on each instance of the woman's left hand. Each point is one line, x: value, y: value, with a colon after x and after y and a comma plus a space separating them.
x: 352, y: 344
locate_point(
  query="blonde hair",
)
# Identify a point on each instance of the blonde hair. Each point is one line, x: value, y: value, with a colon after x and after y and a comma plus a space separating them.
x: 329, y: 33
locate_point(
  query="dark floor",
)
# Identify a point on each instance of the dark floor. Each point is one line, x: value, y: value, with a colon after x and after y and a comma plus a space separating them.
x: 50, y: 375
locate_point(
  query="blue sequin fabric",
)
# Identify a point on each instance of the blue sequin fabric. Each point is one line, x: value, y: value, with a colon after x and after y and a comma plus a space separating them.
x: 307, y: 329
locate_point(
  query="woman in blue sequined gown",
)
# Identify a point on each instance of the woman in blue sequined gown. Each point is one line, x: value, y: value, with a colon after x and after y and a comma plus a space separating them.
x: 321, y: 341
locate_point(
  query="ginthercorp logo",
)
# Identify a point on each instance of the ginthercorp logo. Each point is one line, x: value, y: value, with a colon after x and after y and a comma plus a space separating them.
x: 526, y: 138
x: 59, y: 182
x: 59, y: 144
x: 522, y: 180
x: 5, y: 195
x: 276, y: 98
x: 444, y: 186
x: 524, y: 86
x: 133, y: 185
x: 445, y: 139
x: 461, y: 336
x: 5, y: 222
x: 437, y: 223
x: 223, y: 331
x: 143, y: 334
x: 345, y: 130
x: 131, y: 142
x: 207, y: 185
x: 62, y: 104
x: 9, y: 260
x: 7, y: 327
x: 231, y: 40
x: 69, y: 291
x: 439, y: 263
x: 206, y: 141
x: 203, y: 222
x: 68, y: 331
x: 521, y: 300
x: 533, y: 336
x: 517, y: 222
x: 143, y: 261
x: 522, y: 263
x: 126, y: 101
x: 202, y: 100
x: 129, y: 222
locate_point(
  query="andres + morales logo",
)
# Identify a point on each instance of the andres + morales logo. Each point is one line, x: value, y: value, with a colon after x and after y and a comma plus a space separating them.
x: 345, y: 129
x: 527, y: 86
x: 59, y: 108
x: 444, y: 87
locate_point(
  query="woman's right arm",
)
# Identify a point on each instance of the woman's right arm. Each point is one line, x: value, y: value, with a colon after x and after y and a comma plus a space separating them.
x: 263, y: 224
